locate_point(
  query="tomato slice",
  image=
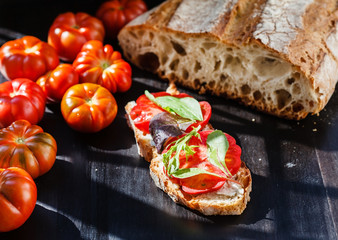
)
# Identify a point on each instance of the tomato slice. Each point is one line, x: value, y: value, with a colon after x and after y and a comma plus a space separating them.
x: 141, y: 114
x: 145, y: 109
x: 204, y: 183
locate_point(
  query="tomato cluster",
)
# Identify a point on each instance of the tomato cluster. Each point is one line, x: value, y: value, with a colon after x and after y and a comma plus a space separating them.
x: 83, y: 83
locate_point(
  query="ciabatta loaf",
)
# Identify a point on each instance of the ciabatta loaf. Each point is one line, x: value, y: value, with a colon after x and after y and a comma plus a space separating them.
x: 231, y: 199
x: 280, y: 57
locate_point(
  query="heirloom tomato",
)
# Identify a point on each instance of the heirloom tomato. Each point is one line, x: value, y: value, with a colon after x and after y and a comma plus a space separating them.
x: 70, y: 31
x: 27, y: 57
x: 27, y: 146
x: 102, y: 65
x: 56, y: 82
x: 115, y: 14
x: 88, y: 107
x: 18, y: 196
x: 21, y: 99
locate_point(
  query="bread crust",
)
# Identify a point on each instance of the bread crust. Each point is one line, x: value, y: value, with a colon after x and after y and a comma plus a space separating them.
x: 303, y: 34
x: 209, y: 203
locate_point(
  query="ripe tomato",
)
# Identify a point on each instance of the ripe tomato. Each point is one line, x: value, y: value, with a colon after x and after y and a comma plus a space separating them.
x: 55, y: 83
x: 204, y: 183
x: 145, y: 110
x: 27, y: 146
x: 70, y: 31
x: 102, y: 65
x: 88, y: 107
x: 18, y: 196
x: 27, y: 57
x: 115, y: 14
x: 21, y: 99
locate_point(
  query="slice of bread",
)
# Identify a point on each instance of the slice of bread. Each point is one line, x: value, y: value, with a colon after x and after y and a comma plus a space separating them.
x: 279, y: 57
x: 231, y: 199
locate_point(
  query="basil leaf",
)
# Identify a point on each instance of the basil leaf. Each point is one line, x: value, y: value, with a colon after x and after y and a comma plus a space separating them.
x: 185, y: 107
x: 218, y: 145
x: 190, y: 172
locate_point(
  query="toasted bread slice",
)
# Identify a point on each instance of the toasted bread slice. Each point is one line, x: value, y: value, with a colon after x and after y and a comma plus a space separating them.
x: 231, y: 199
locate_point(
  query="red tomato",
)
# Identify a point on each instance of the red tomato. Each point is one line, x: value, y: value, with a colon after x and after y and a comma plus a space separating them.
x: 27, y: 57
x: 102, y: 65
x: 88, y: 107
x: 27, y: 146
x: 21, y: 99
x: 204, y: 183
x: 70, y: 31
x: 18, y: 196
x: 145, y: 110
x: 115, y: 14
x: 55, y: 83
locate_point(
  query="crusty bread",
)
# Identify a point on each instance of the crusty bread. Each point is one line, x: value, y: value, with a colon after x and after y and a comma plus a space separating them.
x: 231, y: 199
x: 280, y: 57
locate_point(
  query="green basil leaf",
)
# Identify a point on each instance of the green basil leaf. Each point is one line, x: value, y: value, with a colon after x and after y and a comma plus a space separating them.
x: 190, y: 172
x: 218, y: 145
x: 185, y: 107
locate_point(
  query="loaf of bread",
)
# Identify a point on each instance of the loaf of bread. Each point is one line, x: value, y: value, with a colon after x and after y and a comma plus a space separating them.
x: 280, y: 57
x: 231, y: 199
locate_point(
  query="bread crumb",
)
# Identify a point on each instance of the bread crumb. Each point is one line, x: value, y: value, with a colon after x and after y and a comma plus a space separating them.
x: 290, y: 165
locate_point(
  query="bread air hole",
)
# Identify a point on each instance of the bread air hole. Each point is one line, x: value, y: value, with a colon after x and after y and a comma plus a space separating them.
x: 211, y: 84
x: 178, y: 48
x: 208, y: 45
x: 197, y: 66
x: 223, y: 78
x: 297, y: 107
x: 269, y: 67
x: 245, y: 89
x: 185, y: 74
x: 173, y: 65
x: 290, y: 81
x: 217, y: 65
x: 257, y: 95
x: 148, y: 61
x: 283, y: 98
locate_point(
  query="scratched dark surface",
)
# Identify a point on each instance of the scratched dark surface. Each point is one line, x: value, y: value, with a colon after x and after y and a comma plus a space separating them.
x: 99, y: 188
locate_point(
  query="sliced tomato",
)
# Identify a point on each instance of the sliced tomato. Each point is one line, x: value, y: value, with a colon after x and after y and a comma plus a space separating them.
x: 142, y: 114
x: 204, y: 183
x: 145, y: 109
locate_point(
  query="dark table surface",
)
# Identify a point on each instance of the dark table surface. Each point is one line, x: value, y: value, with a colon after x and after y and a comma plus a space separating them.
x: 99, y: 188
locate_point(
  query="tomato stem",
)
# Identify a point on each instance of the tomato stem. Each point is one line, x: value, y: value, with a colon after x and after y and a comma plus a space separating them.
x: 20, y: 140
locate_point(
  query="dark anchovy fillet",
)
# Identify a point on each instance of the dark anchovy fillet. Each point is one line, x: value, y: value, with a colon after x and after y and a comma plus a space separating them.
x: 165, y: 125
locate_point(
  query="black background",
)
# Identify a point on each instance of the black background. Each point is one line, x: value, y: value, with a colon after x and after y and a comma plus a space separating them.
x: 99, y: 188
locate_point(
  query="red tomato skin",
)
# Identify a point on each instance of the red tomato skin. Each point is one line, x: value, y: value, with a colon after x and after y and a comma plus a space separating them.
x: 145, y: 109
x: 28, y: 147
x: 27, y: 57
x: 204, y: 183
x: 70, y: 31
x: 88, y: 107
x: 116, y: 14
x: 21, y: 99
x: 56, y: 82
x: 18, y: 195
x: 102, y: 65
